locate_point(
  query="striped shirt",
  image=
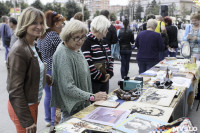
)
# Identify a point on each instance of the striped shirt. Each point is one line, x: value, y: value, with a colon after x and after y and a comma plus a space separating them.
x: 93, y: 51
x: 47, y: 46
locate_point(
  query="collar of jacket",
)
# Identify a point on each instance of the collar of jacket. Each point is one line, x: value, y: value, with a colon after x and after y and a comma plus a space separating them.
x: 35, y: 45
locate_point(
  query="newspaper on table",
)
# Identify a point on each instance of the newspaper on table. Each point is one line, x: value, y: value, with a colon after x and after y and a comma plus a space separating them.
x: 162, y: 97
x: 107, y: 116
x: 153, y: 111
x: 138, y: 123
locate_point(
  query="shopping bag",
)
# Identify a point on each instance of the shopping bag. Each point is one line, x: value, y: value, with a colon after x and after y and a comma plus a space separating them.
x: 115, y: 51
x: 185, y: 49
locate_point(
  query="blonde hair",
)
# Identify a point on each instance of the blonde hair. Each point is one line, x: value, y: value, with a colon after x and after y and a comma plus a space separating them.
x: 152, y: 23
x: 100, y: 24
x: 28, y: 16
x: 195, y: 16
x: 72, y: 27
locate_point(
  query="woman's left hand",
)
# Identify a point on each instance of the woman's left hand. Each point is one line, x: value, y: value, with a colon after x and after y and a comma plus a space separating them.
x: 49, y: 80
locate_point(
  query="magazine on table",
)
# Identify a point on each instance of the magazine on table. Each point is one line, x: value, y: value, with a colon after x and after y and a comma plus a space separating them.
x: 75, y: 125
x: 138, y: 123
x: 153, y: 111
x: 107, y: 116
x: 111, y: 104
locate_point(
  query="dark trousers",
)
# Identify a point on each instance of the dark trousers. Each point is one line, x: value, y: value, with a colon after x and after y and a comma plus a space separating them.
x: 125, y: 60
x: 97, y: 87
x: 145, y: 65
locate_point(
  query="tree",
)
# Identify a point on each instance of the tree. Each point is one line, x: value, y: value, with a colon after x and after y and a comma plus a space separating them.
x: 153, y: 8
x: 121, y: 14
x: 23, y: 5
x: 97, y: 13
x: 86, y: 13
x: 48, y: 6
x: 37, y: 4
x: 71, y: 8
x: 184, y: 11
x: 113, y: 17
x: 139, y: 10
x: 4, y: 9
x: 172, y: 9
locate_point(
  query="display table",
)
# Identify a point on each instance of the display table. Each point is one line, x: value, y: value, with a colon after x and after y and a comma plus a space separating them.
x: 183, y: 101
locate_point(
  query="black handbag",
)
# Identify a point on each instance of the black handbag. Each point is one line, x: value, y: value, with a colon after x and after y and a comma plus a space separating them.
x: 6, y: 38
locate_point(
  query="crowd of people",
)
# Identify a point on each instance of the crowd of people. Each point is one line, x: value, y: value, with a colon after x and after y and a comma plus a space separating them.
x: 72, y: 60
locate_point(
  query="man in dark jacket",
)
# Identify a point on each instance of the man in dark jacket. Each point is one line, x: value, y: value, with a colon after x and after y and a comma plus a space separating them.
x: 111, y: 37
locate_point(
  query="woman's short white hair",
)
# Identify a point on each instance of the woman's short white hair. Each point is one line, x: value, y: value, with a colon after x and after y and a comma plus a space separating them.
x: 152, y: 23
x: 72, y: 27
x: 100, y: 24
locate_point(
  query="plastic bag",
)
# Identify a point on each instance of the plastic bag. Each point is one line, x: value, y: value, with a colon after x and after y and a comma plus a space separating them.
x: 185, y: 49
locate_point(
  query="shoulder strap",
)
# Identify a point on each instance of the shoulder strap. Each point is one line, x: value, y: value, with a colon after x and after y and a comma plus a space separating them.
x: 118, y: 32
x: 160, y: 26
x: 104, y: 51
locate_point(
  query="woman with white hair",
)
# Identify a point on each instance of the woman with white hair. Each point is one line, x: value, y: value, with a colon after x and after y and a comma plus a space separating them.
x: 98, y: 54
x: 72, y: 88
x: 149, y: 44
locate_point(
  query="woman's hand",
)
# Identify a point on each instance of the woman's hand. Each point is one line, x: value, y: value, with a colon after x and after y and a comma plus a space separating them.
x: 31, y: 129
x: 49, y: 80
x: 101, y: 96
x: 107, y: 77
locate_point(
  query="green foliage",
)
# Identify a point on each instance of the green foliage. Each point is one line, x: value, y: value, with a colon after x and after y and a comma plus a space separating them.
x: 184, y: 11
x: 113, y: 17
x: 153, y: 8
x: 86, y: 13
x: 4, y: 9
x: 23, y: 5
x: 139, y: 10
x: 48, y: 6
x: 71, y: 8
x: 97, y: 13
x: 37, y: 4
x: 172, y: 9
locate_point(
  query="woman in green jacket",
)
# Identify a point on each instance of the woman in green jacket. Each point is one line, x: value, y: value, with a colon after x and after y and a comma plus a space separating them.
x: 72, y: 89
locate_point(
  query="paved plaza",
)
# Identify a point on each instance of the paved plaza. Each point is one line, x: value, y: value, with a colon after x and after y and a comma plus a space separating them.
x: 7, y: 126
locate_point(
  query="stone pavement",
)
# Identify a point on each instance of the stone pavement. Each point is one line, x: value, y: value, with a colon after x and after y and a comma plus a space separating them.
x: 7, y: 126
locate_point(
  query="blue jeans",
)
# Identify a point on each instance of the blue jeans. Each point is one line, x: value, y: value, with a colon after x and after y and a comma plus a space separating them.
x: 146, y: 65
x: 7, y: 49
x: 125, y: 60
x: 50, y: 112
x: 173, y: 54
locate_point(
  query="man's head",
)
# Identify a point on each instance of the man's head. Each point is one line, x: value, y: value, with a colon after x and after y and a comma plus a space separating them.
x: 4, y: 19
x: 12, y: 22
x: 105, y: 13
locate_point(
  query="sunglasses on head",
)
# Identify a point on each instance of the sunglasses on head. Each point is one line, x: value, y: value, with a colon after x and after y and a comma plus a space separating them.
x: 54, y: 13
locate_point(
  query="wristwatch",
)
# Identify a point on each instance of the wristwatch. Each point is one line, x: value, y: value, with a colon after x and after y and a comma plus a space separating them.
x: 92, y: 98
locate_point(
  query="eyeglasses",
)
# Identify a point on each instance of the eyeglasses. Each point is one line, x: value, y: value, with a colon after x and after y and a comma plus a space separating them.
x: 77, y: 39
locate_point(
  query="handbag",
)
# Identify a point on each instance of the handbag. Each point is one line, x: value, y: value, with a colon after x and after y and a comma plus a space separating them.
x: 6, y: 38
x: 185, y: 49
x: 115, y: 49
x: 102, y: 66
x: 164, y: 37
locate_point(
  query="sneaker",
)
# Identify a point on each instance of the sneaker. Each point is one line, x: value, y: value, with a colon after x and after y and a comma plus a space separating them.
x: 48, y: 124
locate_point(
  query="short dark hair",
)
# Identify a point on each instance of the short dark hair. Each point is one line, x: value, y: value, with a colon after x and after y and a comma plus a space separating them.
x: 4, y: 18
x: 168, y: 20
x: 151, y: 16
x: 13, y: 20
x: 105, y: 13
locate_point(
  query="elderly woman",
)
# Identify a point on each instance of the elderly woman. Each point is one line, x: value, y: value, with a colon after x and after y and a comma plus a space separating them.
x: 149, y: 44
x: 192, y: 34
x: 47, y: 44
x: 172, y: 32
x: 72, y: 89
x: 26, y: 72
x: 98, y: 54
